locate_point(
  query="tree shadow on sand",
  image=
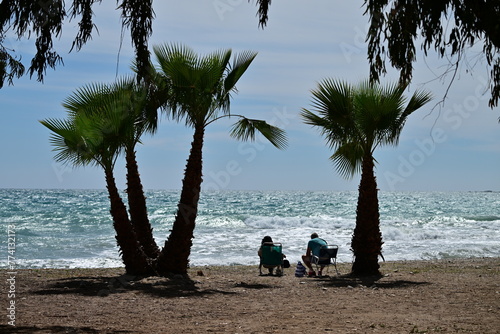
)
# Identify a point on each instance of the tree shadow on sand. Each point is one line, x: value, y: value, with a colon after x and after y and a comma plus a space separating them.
x: 368, y: 281
x: 156, y: 286
x: 56, y: 329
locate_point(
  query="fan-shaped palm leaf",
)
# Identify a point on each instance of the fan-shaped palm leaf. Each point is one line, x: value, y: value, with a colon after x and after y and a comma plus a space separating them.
x: 70, y: 146
x: 240, y: 64
x: 245, y: 129
x: 347, y: 159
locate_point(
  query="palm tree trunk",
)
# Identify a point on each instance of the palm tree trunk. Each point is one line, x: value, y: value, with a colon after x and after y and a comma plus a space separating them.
x: 138, y: 208
x: 174, y: 257
x: 367, y: 239
x: 133, y: 256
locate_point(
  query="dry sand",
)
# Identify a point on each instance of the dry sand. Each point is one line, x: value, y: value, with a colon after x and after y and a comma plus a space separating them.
x: 455, y: 296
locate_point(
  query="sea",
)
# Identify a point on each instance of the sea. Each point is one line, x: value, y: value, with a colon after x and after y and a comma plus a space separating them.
x: 73, y: 228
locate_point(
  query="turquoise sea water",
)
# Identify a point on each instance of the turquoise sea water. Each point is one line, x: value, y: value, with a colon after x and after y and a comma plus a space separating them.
x: 73, y: 228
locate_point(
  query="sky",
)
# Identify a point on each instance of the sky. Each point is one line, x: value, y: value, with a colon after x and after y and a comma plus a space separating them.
x: 453, y: 146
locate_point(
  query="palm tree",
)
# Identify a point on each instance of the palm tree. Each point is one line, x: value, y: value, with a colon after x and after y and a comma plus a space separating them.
x: 200, y: 89
x: 131, y: 103
x: 91, y: 139
x: 355, y: 120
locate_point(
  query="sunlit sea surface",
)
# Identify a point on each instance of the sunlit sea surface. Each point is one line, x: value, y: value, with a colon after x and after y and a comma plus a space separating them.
x: 73, y: 228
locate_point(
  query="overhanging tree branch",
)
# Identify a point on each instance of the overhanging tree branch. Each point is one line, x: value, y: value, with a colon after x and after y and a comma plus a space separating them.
x: 44, y: 20
x: 396, y: 25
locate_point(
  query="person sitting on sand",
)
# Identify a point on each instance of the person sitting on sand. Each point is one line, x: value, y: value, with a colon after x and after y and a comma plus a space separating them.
x: 313, y: 247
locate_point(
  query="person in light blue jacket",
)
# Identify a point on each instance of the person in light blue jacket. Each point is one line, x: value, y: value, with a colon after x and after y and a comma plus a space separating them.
x: 313, y: 247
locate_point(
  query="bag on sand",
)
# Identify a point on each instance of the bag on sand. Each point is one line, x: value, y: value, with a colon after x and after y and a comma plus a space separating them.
x: 300, y: 271
x: 286, y: 263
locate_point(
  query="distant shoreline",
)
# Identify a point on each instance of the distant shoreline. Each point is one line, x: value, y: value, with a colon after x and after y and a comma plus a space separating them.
x: 344, y: 265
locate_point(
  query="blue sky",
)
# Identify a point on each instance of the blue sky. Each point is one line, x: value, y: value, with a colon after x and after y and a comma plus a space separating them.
x: 452, y: 147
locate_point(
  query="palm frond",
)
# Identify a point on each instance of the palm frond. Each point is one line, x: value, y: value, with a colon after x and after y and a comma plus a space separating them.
x: 333, y: 100
x: 332, y: 111
x: 245, y: 129
x: 417, y: 101
x: 69, y: 145
x: 311, y: 118
x: 85, y: 97
x: 176, y: 61
x: 348, y: 159
x: 240, y: 64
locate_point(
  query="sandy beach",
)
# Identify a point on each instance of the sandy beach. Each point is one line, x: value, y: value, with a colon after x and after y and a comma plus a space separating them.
x: 446, y: 296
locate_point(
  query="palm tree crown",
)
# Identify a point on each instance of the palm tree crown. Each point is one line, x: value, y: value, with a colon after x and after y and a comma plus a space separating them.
x: 355, y: 120
x: 200, y: 89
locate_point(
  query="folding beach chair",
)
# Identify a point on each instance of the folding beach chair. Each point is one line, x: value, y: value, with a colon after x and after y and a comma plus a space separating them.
x: 327, y: 256
x: 272, y: 257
